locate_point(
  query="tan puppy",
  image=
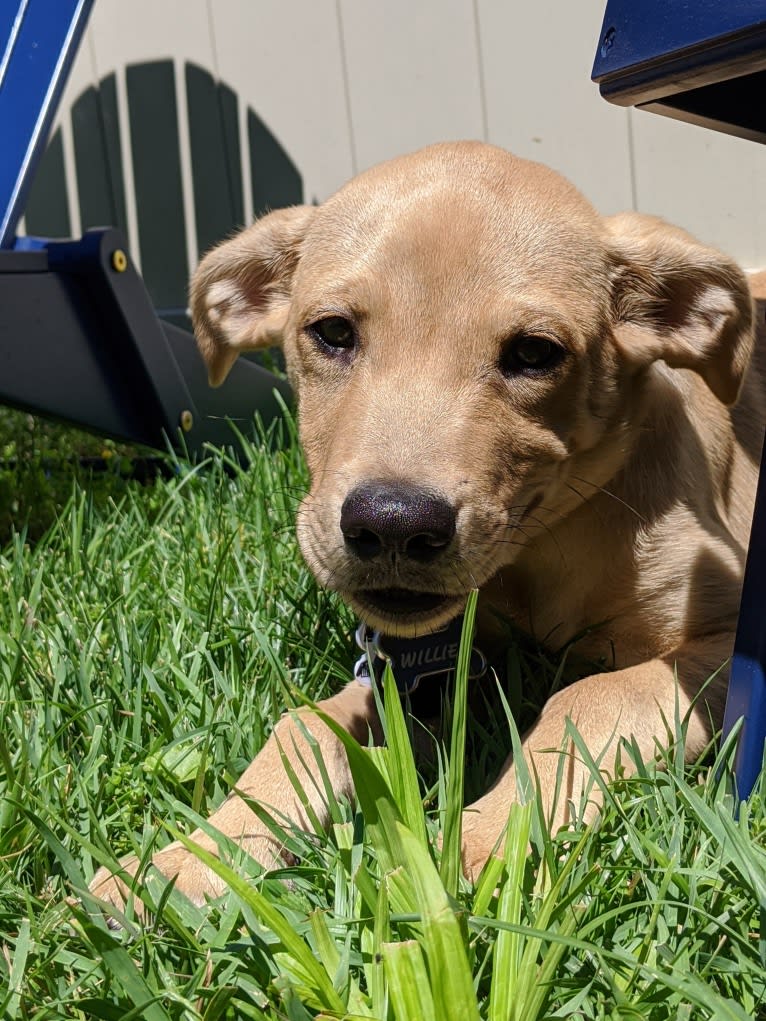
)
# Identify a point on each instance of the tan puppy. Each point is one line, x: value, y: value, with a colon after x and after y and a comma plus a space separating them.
x: 497, y: 388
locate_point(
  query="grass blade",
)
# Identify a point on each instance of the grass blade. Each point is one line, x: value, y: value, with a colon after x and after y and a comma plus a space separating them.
x: 451, y: 859
x: 509, y: 946
x: 408, y: 982
x: 315, y: 980
x: 122, y: 969
x: 402, y: 774
x: 443, y: 938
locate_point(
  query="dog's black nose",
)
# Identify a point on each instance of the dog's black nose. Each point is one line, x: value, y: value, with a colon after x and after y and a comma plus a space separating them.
x: 384, y: 517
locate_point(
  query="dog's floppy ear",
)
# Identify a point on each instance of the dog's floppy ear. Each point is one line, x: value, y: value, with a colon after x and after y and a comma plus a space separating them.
x: 240, y: 292
x: 675, y: 299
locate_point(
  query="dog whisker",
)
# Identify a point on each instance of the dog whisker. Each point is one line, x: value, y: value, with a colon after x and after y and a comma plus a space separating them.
x: 611, y: 495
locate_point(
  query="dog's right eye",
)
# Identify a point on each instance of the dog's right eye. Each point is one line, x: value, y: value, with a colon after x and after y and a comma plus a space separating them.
x: 334, y: 332
x: 530, y: 355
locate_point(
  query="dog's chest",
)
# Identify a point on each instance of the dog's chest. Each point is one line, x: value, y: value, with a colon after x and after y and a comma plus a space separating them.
x: 597, y: 613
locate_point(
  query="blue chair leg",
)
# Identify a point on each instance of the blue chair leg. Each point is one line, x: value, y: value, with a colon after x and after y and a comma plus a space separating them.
x: 747, y: 683
x: 747, y: 699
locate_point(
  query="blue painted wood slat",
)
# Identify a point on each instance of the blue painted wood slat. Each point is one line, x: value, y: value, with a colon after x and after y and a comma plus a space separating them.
x: 41, y: 40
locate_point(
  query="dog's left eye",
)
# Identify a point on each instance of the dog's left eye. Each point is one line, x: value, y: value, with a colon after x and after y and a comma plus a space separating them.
x: 530, y: 354
x: 334, y: 332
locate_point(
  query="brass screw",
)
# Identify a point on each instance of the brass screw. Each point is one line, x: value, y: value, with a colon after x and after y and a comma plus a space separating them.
x: 187, y: 420
x: 119, y: 260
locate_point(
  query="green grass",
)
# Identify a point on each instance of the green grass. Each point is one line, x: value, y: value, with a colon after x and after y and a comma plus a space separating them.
x: 151, y: 637
x: 39, y: 460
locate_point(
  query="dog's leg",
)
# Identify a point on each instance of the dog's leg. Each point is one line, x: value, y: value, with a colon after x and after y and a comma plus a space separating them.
x: 638, y: 703
x: 266, y: 782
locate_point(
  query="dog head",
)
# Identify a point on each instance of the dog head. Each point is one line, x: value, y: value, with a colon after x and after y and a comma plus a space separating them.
x: 464, y: 335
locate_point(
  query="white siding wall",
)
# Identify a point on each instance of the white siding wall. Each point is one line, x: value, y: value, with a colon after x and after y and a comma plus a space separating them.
x: 343, y: 84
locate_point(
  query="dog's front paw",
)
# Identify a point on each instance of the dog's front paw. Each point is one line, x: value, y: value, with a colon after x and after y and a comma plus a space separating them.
x: 191, y: 876
x: 175, y: 862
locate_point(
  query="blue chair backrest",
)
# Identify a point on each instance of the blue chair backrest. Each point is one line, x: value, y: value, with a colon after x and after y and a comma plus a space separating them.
x: 39, y: 40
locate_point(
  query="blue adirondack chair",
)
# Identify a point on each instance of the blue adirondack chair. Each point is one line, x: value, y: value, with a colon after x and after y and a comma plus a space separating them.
x: 101, y: 356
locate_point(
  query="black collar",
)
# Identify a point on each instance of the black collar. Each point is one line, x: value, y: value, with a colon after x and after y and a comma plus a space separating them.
x: 426, y: 658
